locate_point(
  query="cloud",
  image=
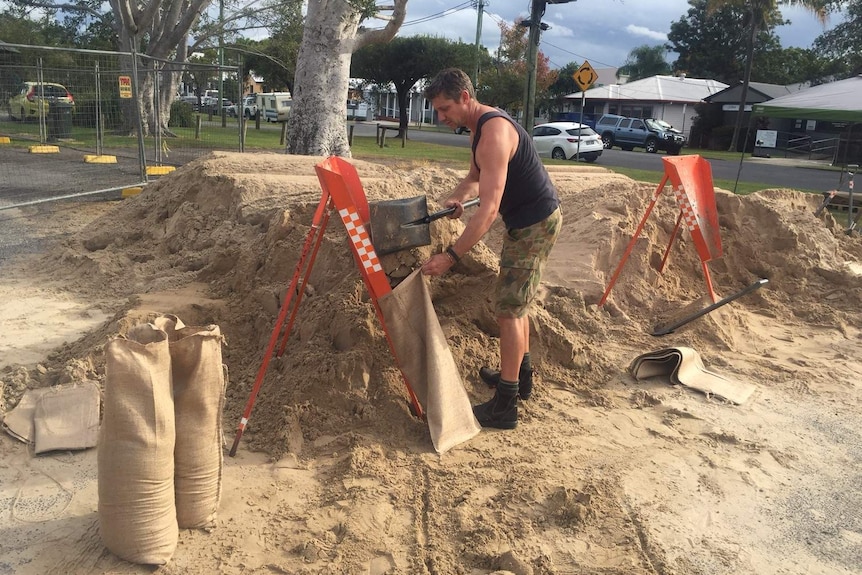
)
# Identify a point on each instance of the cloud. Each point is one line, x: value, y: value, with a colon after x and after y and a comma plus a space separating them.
x: 646, y: 32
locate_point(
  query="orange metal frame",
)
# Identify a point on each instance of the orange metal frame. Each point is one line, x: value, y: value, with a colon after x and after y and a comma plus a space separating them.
x: 691, y: 178
x: 342, y: 192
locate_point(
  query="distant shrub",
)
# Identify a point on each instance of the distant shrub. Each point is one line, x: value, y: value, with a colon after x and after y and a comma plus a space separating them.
x: 182, y: 115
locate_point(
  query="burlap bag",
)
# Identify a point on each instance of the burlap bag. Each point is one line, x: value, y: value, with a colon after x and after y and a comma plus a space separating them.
x: 196, y: 365
x: 427, y: 362
x: 137, y: 516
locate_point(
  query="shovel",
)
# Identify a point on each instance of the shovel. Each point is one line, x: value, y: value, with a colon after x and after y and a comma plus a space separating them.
x: 403, y: 224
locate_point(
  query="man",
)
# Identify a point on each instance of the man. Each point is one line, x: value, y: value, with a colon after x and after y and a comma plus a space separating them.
x: 507, y: 175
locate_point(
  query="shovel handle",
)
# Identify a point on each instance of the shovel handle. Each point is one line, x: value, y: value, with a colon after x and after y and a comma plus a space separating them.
x: 437, y: 215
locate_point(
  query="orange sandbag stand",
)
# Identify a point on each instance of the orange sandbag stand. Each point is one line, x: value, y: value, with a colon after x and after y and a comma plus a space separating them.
x: 343, y: 193
x: 691, y: 179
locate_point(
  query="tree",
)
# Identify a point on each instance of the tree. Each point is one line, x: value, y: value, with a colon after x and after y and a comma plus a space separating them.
x: 758, y: 14
x: 843, y: 44
x: 645, y: 61
x: 331, y: 35
x: 563, y: 86
x: 274, y: 58
x: 503, y: 84
x: 404, y: 61
x: 155, y: 28
x: 712, y: 45
x: 790, y: 66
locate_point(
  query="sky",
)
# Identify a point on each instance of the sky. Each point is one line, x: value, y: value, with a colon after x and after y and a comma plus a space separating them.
x: 600, y: 31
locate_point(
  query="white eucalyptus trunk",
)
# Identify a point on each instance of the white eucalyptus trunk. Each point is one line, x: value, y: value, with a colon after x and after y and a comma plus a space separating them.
x: 317, y: 125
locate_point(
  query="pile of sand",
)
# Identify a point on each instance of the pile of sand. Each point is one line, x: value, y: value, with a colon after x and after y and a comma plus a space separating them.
x: 218, y: 241
x: 234, y: 225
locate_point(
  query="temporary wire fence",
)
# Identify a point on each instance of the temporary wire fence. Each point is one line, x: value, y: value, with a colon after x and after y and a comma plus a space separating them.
x: 76, y: 122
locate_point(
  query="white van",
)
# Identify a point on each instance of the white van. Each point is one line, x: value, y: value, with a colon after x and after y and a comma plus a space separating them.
x: 274, y: 106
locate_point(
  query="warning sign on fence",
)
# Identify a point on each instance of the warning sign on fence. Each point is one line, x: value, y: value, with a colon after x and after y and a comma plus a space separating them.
x: 125, y: 86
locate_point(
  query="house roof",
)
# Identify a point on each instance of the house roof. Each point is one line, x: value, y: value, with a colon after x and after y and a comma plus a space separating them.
x: 835, y: 102
x: 757, y: 92
x: 669, y: 89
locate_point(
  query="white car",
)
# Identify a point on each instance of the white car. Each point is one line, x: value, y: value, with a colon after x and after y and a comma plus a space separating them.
x: 249, y: 106
x: 559, y: 140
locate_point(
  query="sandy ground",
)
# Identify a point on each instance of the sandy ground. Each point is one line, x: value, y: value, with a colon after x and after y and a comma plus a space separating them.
x: 604, y: 474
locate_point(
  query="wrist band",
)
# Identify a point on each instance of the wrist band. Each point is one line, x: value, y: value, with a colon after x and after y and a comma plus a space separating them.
x: 453, y: 255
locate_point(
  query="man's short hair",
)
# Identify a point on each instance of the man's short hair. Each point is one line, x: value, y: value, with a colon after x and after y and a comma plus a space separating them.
x: 450, y: 82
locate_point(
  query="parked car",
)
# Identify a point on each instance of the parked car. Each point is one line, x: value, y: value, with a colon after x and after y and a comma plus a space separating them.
x: 462, y: 130
x: 191, y: 101
x: 566, y: 140
x: 647, y: 133
x: 249, y: 106
x: 211, y: 106
x: 25, y: 103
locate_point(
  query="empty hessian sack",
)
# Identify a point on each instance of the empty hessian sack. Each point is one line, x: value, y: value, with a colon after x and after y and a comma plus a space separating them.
x: 137, y: 516
x: 199, y: 382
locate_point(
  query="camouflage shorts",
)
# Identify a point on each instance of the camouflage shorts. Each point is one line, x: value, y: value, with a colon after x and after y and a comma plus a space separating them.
x: 522, y: 261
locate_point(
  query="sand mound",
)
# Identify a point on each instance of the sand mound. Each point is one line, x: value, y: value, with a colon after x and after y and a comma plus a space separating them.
x: 601, y: 477
x: 234, y: 225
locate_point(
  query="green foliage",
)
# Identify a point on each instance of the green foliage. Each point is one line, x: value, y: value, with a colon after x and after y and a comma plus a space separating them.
x: 274, y: 58
x: 789, y: 66
x: 503, y: 84
x: 842, y: 46
x: 645, y: 61
x: 713, y: 44
x: 563, y: 86
x: 404, y: 61
x: 182, y: 115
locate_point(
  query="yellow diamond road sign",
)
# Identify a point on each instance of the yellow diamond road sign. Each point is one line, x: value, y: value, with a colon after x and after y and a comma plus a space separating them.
x: 585, y: 76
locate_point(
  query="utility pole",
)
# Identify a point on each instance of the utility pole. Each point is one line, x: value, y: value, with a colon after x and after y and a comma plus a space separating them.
x: 536, y: 26
x: 480, y: 8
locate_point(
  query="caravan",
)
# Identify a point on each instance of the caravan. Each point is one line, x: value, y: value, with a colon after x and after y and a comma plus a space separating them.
x: 274, y: 106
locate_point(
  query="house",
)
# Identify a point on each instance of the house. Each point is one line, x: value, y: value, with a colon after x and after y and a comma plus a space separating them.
x: 253, y: 83
x: 668, y: 98
x: 758, y: 92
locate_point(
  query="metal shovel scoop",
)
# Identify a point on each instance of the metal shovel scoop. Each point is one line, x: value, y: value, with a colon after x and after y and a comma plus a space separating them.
x: 403, y: 224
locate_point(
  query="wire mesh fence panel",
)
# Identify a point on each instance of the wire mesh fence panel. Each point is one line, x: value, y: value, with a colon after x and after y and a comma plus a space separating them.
x: 66, y: 129
x: 85, y: 121
x: 194, y: 117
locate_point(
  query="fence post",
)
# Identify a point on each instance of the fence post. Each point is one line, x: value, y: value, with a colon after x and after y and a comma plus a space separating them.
x: 198, y: 121
x: 99, y: 126
x: 157, y: 120
x: 43, y: 132
x: 240, y: 116
x: 283, y: 134
x: 142, y: 154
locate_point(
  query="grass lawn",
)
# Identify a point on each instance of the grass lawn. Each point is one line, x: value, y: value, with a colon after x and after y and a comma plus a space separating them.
x: 213, y: 136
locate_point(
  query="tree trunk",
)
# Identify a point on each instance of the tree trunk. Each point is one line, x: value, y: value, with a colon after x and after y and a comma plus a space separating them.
x: 317, y: 125
x: 755, y: 28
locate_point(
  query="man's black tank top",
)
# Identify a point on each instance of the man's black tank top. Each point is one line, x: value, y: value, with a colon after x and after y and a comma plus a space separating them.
x: 529, y: 196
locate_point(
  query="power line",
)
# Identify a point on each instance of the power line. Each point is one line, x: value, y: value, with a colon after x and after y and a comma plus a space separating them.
x: 592, y: 60
x: 447, y: 12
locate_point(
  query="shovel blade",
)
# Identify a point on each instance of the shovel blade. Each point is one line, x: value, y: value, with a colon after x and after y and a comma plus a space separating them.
x: 386, y: 219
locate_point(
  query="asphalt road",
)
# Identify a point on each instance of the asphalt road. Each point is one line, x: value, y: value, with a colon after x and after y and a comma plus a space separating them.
x: 771, y: 173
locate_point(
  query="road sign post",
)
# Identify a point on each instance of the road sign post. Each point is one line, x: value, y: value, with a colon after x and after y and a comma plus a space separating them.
x: 584, y: 78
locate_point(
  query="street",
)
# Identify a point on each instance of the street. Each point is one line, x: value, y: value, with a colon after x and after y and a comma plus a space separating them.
x: 772, y: 173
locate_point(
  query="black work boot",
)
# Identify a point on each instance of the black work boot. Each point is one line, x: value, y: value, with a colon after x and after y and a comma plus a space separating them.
x: 525, y: 378
x: 502, y: 411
